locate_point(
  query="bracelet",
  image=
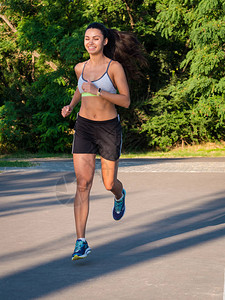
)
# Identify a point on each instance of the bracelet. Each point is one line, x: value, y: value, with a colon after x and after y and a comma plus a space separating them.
x: 99, y: 91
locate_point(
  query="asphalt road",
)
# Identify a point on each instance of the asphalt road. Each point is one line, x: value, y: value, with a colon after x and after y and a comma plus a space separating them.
x: 169, y: 245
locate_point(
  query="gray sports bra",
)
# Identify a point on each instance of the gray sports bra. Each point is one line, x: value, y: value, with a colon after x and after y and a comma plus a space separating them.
x: 104, y: 82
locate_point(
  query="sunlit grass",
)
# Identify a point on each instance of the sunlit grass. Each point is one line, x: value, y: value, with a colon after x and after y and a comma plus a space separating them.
x: 206, y: 150
x: 203, y: 150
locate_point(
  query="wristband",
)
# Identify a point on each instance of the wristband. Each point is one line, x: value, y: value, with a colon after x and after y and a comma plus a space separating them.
x: 99, y: 91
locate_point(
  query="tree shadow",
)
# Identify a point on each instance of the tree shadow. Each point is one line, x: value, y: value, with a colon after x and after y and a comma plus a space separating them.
x: 181, y: 230
x: 53, y: 188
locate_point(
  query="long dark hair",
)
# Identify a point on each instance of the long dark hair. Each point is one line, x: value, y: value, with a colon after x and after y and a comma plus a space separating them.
x: 125, y: 48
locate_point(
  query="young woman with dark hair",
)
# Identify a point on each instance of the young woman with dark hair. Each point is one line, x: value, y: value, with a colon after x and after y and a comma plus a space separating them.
x: 102, y: 84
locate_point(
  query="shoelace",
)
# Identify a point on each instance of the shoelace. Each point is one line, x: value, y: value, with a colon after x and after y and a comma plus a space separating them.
x: 118, y: 205
x: 78, y: 246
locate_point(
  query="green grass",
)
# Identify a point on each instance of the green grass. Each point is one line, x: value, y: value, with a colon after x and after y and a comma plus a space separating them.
x: 18, y: 164
x: 203, y: 150
x: 25, y: 155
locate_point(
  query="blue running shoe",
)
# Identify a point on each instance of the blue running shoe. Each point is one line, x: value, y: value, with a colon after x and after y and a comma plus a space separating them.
x: 119, y: 207
x: 81, y: 250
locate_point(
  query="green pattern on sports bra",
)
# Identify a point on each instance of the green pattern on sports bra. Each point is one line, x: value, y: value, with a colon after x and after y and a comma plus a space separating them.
x: 88, y: 95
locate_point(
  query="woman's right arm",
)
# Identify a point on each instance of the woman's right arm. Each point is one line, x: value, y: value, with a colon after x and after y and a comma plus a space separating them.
x: 66, y: 110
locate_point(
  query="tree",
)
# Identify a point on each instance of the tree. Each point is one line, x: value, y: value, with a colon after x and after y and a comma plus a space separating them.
x: 191, y: 107
x: 179, y: 100
x: 50, y: 35
x: 33, y: 90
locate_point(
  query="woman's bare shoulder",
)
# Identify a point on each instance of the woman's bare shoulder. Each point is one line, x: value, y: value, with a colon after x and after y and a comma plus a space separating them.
x: 116, y: 68
x: 116, y: 65
x: 79, y: 67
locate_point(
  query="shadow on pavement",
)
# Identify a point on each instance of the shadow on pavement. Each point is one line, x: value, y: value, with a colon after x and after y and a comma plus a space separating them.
x: 61, y: 273
x: 26, y: 185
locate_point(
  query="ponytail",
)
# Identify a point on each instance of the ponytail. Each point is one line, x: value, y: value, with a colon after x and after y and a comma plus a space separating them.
x: 125, y: 48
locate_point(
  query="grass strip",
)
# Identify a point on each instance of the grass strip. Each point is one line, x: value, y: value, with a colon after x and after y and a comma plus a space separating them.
x: 17, y: 164
x: 202, y: 150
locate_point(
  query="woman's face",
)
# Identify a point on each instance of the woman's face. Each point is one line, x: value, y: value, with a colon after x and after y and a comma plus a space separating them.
x: 94, y: 41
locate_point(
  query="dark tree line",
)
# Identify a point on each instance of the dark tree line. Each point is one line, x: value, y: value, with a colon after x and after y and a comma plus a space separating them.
x: 180, y: 99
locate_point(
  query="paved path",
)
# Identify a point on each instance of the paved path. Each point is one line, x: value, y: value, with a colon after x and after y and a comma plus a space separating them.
x: 211, y: 165
x: 169, y: 245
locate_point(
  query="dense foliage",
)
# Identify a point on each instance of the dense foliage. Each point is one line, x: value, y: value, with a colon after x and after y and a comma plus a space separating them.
x: 179, y: 100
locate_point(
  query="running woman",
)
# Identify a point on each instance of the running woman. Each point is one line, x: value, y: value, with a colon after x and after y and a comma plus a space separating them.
x: 102, y: 84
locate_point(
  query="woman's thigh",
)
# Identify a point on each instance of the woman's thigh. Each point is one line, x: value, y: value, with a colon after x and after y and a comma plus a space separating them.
x: 84, y: 166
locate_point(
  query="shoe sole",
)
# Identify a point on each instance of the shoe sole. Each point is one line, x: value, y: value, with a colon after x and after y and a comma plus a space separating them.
x: 77, y: 257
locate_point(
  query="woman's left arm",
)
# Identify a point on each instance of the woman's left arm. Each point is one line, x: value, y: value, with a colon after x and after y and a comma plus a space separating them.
x: 120, y: 80
x: 119, y: 77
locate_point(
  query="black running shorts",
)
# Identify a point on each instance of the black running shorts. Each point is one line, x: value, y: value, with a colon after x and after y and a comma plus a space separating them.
x: 98, y: 137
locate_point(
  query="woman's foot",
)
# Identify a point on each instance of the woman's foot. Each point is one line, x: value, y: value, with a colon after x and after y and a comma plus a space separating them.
x: 119, y: 207
x: 81, y: 250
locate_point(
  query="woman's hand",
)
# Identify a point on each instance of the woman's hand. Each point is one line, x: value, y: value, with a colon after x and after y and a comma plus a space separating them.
x: 89, y: 87
x: 66, y: 111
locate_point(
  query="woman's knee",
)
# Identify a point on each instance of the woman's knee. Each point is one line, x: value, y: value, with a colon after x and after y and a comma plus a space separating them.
x: 109, y: 185
x: 83, y: 185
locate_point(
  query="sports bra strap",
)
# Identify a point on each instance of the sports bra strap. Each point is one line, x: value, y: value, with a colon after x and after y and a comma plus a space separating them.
x: 108, y: 66
x: 84, y: 67
x: 105, y: 71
